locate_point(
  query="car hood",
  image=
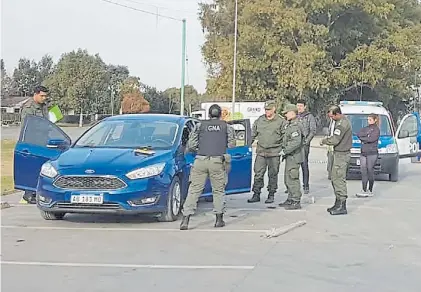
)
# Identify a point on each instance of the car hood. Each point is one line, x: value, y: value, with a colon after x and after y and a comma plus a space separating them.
x: 106, y: 160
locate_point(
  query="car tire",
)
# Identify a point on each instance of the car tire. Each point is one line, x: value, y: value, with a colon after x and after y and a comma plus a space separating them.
x: 394, y: 175
x: 174, y: 197
x: 52, y: 215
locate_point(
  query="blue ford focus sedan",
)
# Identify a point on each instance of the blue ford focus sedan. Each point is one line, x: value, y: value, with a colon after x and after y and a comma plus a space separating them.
x: 122, y: 164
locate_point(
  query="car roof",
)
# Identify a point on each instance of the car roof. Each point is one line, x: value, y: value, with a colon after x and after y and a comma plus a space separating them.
x: 149, y: 117
x: 363, y: 109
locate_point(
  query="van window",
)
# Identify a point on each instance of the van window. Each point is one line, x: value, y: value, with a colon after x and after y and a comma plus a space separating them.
x: 359, y: 121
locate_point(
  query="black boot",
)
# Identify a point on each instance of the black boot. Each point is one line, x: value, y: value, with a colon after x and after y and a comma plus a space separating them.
x: 219, y: 220
x: 340, y: 210
x: 254, y: 199
x: 295, y: 205
x: 185, y: 223
x: 270, y: 199
x: 306, y: 190
x: 286, y: 203
x: 334, y: 205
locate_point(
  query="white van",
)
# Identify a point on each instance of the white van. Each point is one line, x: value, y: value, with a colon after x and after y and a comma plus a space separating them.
x: 393, y: 144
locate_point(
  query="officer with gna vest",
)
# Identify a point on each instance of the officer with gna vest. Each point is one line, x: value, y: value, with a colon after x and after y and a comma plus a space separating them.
x: 210, y: 140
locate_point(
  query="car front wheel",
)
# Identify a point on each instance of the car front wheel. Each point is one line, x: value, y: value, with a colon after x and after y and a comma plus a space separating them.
x: 52, y: 215
x: 174, y: 202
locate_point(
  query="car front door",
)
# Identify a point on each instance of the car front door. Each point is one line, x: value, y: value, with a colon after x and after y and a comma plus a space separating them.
x: 39, y: 141
x: 239, y: 178
x: 407, y: 136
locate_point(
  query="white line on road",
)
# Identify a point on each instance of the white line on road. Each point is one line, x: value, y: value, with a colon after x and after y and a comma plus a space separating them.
x: 133, y: 266
x: 131, y: 229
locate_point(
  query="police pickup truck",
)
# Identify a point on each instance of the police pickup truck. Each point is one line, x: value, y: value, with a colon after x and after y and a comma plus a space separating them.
x: 394, y: 144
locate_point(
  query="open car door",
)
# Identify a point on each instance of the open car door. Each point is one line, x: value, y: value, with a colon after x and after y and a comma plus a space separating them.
x: 39, y: 141
x: 407, y: 136
x: 239, y: 178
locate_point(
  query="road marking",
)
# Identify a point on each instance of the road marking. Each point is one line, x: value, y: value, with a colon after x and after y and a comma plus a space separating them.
x: 133, y: 266
x: 132, y: 229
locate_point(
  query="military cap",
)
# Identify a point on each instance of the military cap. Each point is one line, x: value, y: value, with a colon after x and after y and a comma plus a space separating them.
x: 270, y: 104
x: 289, y: 108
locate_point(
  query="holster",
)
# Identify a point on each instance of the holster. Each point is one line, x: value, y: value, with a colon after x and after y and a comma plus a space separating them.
x: 226, y: 158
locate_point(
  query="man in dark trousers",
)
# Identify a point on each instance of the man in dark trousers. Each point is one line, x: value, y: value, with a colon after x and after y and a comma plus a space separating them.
x: 210, y: 140
x: 309, y: 131
x: 342, y: 144
x: 268, y: 131
x: 37, y: 106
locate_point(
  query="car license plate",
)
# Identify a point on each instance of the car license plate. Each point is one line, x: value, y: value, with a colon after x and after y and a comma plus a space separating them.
x: 87, y: 199
x: 358, y: 162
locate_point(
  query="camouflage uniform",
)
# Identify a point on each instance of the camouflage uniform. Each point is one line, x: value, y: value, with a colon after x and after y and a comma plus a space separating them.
x: 342, y: 144
x: 268, y: 133
x: 31, y: 107
x: 293, y: 154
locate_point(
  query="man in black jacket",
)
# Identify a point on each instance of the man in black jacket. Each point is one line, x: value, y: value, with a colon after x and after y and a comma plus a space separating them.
x: 309, y: 131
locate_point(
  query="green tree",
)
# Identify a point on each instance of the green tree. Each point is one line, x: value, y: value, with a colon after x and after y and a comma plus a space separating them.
x: 192, y: 99
x: 322, y: 50
x: 6, y: 83
x: 26, y: 76
x: 77, y: 81
x: 45, y: 68
x: 116, y: 75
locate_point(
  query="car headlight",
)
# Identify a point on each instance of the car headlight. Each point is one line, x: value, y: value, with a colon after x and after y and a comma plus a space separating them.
x: 355, y: 150
x: 389, y: 149
x: 48, y: 170
x: 145, y: 172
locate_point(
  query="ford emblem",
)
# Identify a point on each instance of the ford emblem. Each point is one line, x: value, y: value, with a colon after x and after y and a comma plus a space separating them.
x: 89, y: 171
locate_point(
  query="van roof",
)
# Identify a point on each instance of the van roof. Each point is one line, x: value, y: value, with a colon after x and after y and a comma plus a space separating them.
x: 361, y: 107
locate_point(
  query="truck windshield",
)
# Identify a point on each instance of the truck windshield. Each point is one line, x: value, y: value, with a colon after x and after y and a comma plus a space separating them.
x: 359, y: 121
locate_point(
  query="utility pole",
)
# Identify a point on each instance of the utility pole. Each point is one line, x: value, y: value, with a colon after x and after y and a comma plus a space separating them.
x: 112, y: 100
x: 183, y: 66
x: 235, y: 58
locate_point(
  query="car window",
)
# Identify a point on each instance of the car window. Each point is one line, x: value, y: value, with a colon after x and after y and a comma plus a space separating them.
x: 130, y: 134
x: 39, y: 130
x: 410, y: 124
x: 359, y: 121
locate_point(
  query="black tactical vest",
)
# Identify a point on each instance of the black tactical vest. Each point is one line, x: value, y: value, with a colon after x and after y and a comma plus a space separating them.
x: 213, y: 138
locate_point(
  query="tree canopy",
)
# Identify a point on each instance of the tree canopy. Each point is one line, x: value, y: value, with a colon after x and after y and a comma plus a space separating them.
x: 322, y: 50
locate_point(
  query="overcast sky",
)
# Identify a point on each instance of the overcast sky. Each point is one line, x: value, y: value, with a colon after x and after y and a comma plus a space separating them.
x: 150, y: 48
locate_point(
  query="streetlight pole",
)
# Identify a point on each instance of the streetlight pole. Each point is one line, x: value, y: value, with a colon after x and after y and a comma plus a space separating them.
x: 183, y: 67
x: 235, y: 58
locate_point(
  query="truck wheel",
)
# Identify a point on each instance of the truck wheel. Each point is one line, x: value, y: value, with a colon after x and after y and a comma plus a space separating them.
x: 52, y: 215
x: 174, y: 202
x: 394, y: 175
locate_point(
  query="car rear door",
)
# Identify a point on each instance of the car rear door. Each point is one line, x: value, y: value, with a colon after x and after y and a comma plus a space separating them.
x: 32, y: 150
x: 407, y: 136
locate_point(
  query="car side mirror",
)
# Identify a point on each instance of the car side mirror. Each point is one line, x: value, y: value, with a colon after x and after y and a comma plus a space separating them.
x: 325, y: 131
x: 403, y: 134
x: 57, y: 143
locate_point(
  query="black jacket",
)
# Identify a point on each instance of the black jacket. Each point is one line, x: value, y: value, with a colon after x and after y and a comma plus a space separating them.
x: 369, y: 137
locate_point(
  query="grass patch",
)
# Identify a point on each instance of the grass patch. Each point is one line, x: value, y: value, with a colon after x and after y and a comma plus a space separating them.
x: 7, y: 148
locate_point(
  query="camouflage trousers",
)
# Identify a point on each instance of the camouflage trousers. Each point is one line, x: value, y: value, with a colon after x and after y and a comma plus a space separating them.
x: 339, y: 169
x: 292, y: 179
x: 203, y: 168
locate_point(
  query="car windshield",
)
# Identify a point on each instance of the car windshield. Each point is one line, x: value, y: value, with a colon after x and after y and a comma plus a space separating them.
x: 130, y: 134
x: 359, y: 121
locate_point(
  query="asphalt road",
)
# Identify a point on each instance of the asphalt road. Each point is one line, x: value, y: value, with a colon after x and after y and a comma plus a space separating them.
x: 376, y: 247
x: 12, y: 133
